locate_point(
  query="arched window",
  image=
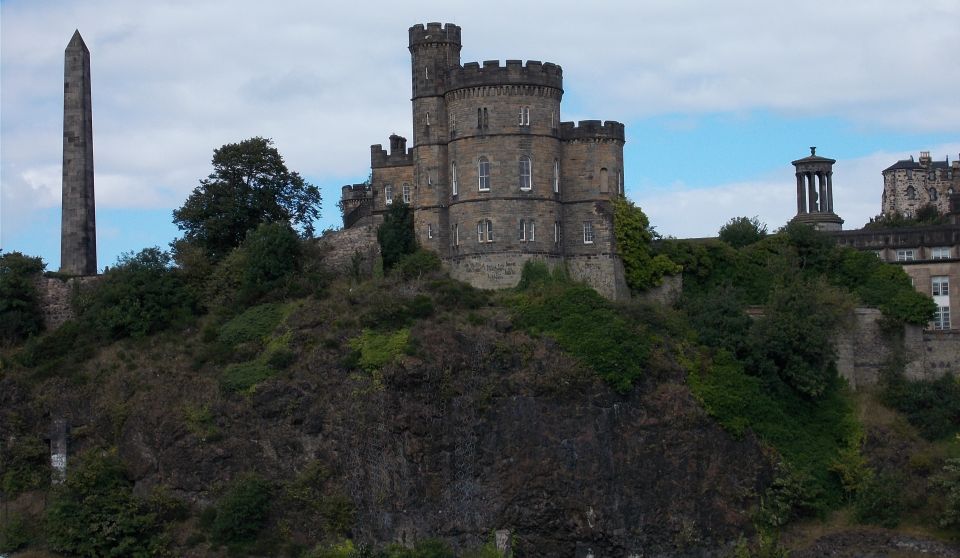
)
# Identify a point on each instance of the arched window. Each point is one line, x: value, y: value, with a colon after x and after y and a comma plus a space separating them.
x: 428, y: 118
x: 406, y: 193
x: 556, y: 176
x: 911, y: 193
x: 388, y: 194
x: 604, y: 186
x: 526, y: 180
x: 483, y: 174
x: 453, y: 178
x: 933, y: 194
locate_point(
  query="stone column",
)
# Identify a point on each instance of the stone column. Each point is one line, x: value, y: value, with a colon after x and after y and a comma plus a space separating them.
x: 801, y: 198
x: 78, y: 229
x: 830, y: 191
x: 812, y: 201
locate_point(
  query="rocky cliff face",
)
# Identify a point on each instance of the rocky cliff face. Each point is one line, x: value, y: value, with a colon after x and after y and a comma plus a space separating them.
x: 481, y: 429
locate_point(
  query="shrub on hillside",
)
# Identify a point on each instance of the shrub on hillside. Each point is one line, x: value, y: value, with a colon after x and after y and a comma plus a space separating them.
x: 932, y: 406
x: 24, y: 465
x: 643, y: 269
x: 241, y: 513
x: 743, y: 231
x: 418, y: 264
x: 20, y: 312
x: 94, y: 512
x: 141, y: 295
x: 396, y: 235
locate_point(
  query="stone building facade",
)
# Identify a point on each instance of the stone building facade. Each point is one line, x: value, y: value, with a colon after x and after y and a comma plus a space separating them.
x: 909, y: 185
x: 494, y: 177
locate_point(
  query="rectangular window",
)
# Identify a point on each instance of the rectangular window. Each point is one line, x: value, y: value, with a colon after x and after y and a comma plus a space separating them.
x: 906, y: 255
x: 620, y: 181
x: 485, y: 231
x: 556, y: 176
x: 483, y: 174
x: 940, y: 253
x: 479, y: 118
x: 941, y: 318
x: 553, y: 119
x: 556, y: 232
x: 532, y: 236
x: 940, y: 286
x: 456, y: 235
x: 428, y: 118
x: 453, y: 179
x: 526, y: 180
x: 388, y: 194
x: 524, y: 119
x: 406, y: 193
x: 587, y: 232
x: 527, y: 232
x: 429, y: 230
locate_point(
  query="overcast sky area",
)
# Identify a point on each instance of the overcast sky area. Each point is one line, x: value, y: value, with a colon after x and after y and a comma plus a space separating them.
x: 717, y: 98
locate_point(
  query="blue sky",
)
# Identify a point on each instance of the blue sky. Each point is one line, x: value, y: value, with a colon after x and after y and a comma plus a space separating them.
x: 717, y: 98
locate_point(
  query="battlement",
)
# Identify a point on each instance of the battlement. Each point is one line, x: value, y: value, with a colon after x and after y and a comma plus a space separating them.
x: 355, y: 191
x: 592, y: 129
x: 515, y: 72
x: 399, y: 155
x: 434, y: 33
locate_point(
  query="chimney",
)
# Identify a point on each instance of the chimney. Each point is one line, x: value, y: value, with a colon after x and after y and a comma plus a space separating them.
x: 398, y: 145
x: 924, y: 158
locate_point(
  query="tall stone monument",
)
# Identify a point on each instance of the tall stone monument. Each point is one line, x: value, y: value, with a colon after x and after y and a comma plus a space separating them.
x: 815, y: 192
x: 78, y: 228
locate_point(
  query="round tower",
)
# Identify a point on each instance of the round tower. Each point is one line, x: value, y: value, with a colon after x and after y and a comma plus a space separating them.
x: 434, y: 51
x: 815, y: 192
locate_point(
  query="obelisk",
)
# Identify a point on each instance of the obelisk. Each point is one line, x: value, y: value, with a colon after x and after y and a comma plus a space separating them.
x: 78, y: 228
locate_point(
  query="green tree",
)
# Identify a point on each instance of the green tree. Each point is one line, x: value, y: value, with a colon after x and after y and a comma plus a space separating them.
x: 20, y: 315
x: 250, y: 184
x: 743, y: 231
x: 634, y: 236
x: 242, y: 511
x: 396, y: 235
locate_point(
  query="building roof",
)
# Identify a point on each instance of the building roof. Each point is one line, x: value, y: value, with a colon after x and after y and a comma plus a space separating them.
x: 813, y: 158
x: 910, y: 164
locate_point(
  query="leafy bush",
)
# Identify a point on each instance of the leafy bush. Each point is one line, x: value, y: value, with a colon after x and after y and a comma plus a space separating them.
x: 94, y: 512
x: 743, y: 231
x: 376, y: 349
x: 792, y: 494
x: 241, y: 513
x: 879, y: 503
x: 396, y: 235
x: 419, y: 263
x: 589, y: 327
x: 634, y: 235
x: 949, y: 481
x: 14, y: 533
x: 24, y: 465
x: 386, y: 311
x: 885, y: 286
x: 454, y: 294
x: 20, y: 312
x: 932, y: 406
x: 141, y: 295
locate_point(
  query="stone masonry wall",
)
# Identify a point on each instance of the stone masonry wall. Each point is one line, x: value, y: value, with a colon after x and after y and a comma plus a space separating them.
x: 56, y: 297
x: 340, y: 248
x: 863, y: 350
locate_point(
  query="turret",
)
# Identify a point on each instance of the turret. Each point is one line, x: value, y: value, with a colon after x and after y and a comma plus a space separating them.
x: 434, y: 50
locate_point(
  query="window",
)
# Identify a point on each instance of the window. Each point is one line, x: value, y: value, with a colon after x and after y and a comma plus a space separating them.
x: 429, y: 179
x: 556, y: 232
x: 556, y: 176
x: 428, y: 118
x: 933, y: 194
x: 453, y: 179
x: 429, y: 230
x: 483, y: 174
x: 620, y: 181
x: 453, y: 122
x: 426, y: 72
x: 406, y: 193
x: 940, y: 253
x: 526, y: 182
x: 456, y: 235
x: 906, y: 255
x: 587, y: 232
x: 941, y: 318
x: 911, y: 193
x: 524, y: 119
x: 527, y: 231
x: 604, y: 186
x: 483, y: 118
x: 940, y: 285
x: 388, y: 194
x: 553, y: 119
x: 485, y: 231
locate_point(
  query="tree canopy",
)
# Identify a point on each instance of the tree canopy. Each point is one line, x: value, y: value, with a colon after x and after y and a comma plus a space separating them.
x: 396, y: 235
x: 250, y: 185
x: 743, y: 231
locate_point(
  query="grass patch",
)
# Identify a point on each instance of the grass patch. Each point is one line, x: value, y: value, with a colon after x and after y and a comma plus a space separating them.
x: 374, y: 350
x: 254, y: 324
x: 587, y: 326
x: 243, y: 376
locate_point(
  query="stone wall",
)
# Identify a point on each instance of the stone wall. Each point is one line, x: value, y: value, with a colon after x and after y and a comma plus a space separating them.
x: 666, y: 293
x: 56, y: 297
x: 341, y: 248
x: 863, y: 350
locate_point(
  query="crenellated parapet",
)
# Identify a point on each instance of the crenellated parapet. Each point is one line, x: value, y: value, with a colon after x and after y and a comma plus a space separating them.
x: 399, y: 155
x: 434, y: 32
x: 514, y: 72
x: 587, y: 130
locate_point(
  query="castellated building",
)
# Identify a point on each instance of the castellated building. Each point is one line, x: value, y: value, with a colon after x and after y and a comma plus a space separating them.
x: 494, y: 177
x: 909, y: 185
